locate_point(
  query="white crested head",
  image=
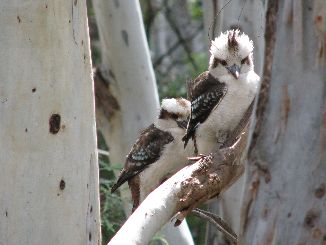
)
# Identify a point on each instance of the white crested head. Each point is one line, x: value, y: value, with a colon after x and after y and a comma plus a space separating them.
x: 231, y: 52
x: 179, y: 107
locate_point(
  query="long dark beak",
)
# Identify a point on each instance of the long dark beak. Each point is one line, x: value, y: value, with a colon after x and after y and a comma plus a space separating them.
x: 234, y: 70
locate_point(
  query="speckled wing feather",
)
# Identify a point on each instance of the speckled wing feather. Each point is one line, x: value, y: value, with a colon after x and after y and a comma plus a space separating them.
x: 205, y: 93
x: 182, y: 124
x: 144, y: 152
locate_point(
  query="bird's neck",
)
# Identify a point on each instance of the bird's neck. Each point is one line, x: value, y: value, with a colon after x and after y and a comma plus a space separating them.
x: 164, y: 124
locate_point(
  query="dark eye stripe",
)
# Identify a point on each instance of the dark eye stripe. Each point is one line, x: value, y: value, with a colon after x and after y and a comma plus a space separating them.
x: 245, y: 60
x: 218, y: 61
x: 223, y: 62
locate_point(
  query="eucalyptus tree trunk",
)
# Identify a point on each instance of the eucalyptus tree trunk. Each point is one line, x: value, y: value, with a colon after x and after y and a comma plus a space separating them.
x: 48, y: 159
x: 127, y: 67
x: 249, y: 17
x: 285, y: 186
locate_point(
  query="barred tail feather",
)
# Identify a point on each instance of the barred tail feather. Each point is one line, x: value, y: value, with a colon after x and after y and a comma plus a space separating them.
x: 189, y: 134
x: 186, y: 138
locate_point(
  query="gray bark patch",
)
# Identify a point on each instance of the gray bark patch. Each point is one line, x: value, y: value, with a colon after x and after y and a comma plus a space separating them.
x: 116, y: 3
x: 125, y: 37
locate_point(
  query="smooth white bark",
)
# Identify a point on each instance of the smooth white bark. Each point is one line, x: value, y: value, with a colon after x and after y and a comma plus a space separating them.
x: 127, y: 65
x: 154, y: 212
x: 48, y: 181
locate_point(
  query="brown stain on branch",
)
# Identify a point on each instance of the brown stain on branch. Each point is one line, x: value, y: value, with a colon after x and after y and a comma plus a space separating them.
x: 214, y: 174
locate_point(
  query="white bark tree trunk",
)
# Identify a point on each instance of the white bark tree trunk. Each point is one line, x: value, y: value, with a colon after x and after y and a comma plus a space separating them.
x: 127, y: 66
x: 285, y: 188
x: 48, y: 159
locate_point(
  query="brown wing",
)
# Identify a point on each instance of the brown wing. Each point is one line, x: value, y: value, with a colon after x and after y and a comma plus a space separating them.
x: 144, y: 152
x: 205, y: 93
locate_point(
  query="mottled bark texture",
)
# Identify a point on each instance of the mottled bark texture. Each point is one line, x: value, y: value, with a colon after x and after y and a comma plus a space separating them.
x: 285, y: 185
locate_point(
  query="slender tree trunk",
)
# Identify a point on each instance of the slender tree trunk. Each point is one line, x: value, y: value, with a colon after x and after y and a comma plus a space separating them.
x: 48, y: 159
x: 285, y: 187
x: 127, y: 66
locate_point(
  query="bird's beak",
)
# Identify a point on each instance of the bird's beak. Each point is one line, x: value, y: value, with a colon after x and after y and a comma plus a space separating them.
x: 234, y: 70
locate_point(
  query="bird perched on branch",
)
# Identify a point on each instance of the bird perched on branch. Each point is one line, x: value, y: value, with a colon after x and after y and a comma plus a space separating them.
x: 220, y: 96
x: 158, y: 152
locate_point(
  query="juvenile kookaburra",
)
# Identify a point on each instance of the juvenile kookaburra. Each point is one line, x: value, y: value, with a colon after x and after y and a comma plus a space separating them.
x: 158, y: 152
x: 220, y: 96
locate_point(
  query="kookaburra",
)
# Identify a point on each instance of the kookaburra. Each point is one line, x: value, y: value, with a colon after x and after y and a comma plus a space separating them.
x: 158, y: 152
x: 220, y: 96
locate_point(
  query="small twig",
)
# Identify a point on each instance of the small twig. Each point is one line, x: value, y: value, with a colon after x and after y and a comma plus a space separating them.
x: 176, y: 45
x: 103, y: 152
x: 178, y: 33
x: 218, y: 222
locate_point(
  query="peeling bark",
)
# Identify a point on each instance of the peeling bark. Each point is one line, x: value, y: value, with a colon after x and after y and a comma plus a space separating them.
x: 270, y: 38
x: 104, y: 99
x: 288, y: 147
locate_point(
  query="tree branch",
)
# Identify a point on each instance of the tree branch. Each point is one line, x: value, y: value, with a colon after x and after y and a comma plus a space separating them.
x: 193, y: 185
x: 187, y: 189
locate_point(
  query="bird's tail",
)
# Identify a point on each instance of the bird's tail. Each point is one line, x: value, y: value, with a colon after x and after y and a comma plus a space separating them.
x: 114, y: 187
x: 122, y: 179
x: 189, y: 134
x: 186, y: 138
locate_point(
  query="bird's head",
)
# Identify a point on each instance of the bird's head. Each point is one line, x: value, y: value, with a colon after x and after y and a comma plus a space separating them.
x: 231, y: 53
x: 176, y: 109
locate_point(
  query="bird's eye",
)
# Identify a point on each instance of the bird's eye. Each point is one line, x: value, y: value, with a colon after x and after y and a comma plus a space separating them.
x: 223, y: 62
x: 245, y: 60
x: 215, y: 63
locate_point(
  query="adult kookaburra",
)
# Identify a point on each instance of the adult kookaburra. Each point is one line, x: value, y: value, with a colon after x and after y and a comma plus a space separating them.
x: 220, y: 96
x: 158, y: 152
